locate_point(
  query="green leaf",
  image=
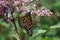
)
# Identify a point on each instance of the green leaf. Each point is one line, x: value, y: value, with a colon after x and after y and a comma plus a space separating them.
x: 2, y: 37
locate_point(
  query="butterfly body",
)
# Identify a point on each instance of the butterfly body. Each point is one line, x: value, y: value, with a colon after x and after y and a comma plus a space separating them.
x: 26, y: 23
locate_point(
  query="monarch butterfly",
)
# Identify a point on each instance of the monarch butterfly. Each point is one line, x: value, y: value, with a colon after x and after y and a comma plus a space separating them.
x: 26, y: 22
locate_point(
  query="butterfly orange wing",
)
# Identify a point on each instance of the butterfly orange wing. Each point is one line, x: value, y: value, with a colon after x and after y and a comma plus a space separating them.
x: 26, y: 23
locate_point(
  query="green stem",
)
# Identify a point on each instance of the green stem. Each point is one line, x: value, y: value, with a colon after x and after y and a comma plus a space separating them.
x: 13, y: 20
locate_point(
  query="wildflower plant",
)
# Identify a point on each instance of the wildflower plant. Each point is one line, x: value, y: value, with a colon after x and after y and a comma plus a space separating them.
x: 20, y: 7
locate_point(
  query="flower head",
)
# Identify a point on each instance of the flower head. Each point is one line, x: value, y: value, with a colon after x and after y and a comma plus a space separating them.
x: 43, y: 12
x: 16, y: 3
x: 24, y: 9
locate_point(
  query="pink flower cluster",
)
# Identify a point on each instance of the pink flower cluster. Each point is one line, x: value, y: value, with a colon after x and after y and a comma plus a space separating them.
x: 43, y: 12
x: 26, y: 1
x: 1, y: 2
x: 16, y: 3
x: 24, y: 10
x: 20, y: 2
